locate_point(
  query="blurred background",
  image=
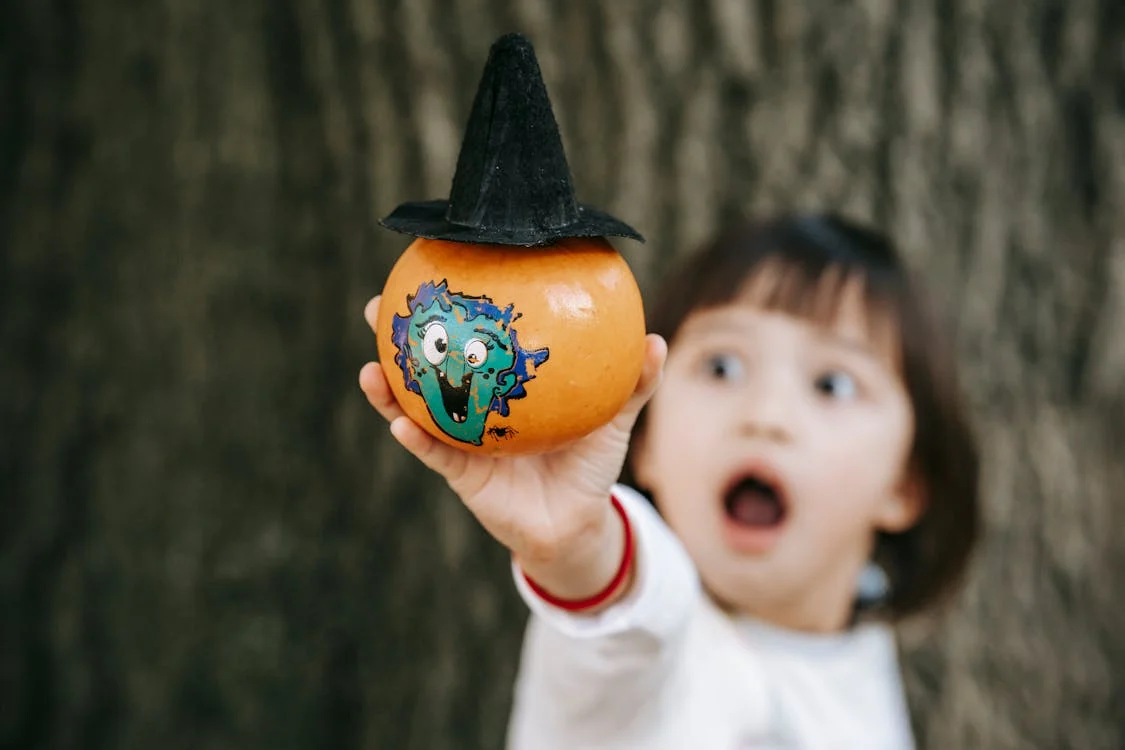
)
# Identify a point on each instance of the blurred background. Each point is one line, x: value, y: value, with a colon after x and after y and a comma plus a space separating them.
x: 208, y: 540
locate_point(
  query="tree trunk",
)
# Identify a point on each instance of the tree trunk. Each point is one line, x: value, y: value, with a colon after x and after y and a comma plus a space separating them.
x: 209, y: 540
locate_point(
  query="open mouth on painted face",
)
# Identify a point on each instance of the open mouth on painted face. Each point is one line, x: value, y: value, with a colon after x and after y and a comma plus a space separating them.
x: 455, y: 398
x: 755, y: 501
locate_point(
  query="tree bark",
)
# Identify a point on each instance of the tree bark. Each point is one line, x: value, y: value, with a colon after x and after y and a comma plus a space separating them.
x: 210, y: 541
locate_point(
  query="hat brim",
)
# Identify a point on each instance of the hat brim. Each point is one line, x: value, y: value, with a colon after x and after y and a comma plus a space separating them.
x: 427, y: 219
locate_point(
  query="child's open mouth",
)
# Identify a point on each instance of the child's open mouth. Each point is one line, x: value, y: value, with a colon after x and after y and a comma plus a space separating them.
x: 755, y: 510
x: 753, y: 502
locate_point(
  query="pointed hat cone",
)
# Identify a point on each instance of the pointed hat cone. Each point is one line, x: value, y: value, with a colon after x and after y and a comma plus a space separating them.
x: 513, y: 184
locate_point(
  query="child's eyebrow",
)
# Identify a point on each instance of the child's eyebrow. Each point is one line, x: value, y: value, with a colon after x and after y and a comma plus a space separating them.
x: 849, y: 344
x: 428, y: 320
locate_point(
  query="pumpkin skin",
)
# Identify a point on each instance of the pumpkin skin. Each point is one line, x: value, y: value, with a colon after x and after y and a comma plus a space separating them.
x: 509, y: 350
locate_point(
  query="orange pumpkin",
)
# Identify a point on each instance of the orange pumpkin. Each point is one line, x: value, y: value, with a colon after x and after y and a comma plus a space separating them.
x: 510, y: 350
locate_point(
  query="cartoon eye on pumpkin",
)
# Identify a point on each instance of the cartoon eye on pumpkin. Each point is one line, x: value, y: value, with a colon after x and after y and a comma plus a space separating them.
x: 435, y: 343
x: 476, y: 352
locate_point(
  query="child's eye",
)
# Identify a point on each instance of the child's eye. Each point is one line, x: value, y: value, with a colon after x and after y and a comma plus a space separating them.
x: 724, y: 367
x: 837, y: 385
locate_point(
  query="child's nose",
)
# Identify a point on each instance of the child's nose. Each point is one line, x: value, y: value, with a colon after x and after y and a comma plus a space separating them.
x: 766, y: 411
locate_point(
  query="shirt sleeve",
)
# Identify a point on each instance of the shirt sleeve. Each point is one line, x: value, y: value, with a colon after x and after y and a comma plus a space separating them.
x: 581, y: 672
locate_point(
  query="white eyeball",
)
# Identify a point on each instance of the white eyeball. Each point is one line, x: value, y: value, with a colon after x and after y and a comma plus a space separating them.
x: 435, y: 343
x: 476, y: 352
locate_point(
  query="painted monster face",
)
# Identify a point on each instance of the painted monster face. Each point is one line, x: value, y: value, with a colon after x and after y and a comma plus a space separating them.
x: 461, y: 355
x: 456, y: 361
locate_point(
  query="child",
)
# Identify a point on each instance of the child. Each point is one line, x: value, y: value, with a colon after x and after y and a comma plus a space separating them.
x: 806, y: 433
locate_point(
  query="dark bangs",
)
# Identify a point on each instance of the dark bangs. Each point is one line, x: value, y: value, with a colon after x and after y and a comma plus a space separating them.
x: 802, y: 265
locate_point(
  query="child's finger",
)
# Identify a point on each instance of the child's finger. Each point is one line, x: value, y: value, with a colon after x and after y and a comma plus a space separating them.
x: 373, y: 381
x: 656, y: 352
x: 436, y: 455
x: 371, y: 311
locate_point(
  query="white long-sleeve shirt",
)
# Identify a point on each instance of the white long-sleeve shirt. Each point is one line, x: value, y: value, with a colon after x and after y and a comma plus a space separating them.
x: 664, y: 668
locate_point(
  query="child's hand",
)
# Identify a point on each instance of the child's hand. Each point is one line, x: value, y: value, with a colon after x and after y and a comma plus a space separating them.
x: 551, y: 510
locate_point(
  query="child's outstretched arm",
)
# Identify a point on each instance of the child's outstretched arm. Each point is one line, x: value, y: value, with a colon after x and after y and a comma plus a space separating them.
x: 553, y: 512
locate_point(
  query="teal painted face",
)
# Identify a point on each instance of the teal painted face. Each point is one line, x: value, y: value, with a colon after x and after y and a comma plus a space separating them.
x: 461, y: 355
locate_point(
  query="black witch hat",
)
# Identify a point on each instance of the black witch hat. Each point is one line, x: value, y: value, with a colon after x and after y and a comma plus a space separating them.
x: 512, y: 185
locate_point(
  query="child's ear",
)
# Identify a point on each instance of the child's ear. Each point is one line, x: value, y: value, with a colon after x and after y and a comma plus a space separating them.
x: 903, y: 507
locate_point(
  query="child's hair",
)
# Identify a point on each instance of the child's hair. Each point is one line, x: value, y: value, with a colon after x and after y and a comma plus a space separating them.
x: 808, y: 261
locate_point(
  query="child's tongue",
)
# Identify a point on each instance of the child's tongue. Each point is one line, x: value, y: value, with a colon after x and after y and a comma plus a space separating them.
x: 754, y: 506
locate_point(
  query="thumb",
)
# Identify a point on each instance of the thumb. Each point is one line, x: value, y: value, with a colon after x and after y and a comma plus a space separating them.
x: 656, y: 354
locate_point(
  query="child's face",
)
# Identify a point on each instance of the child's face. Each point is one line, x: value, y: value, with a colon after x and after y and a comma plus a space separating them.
x: 775, y: 448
